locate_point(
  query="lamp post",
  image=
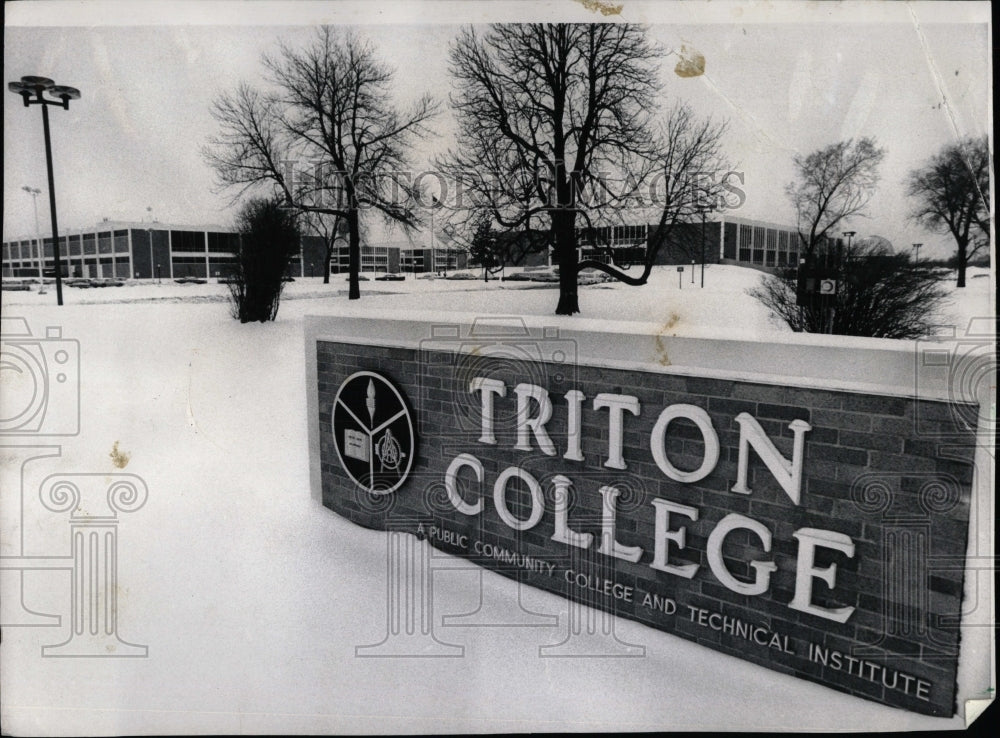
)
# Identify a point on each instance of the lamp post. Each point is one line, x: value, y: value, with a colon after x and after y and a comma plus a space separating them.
x: 433, y: 260
x: 149, y: 238
x: 840, y: 258
x: 35, y: 192
x: 916, y: 252
x: 840, y: 276
x: 704, y: 211
x: 31, y: 90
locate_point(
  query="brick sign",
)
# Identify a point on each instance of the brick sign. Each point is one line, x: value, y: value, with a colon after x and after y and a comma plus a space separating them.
x: 813, y: 531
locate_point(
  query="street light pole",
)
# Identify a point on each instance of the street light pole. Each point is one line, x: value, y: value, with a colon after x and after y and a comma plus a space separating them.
x: 433, y: 260
x: 35, y: 86
x: 840, y: 273
x: 56, y: 251
x: 149, y: 237
x: 848, y: 235
x: 702, y: 247
x: 35, y: 192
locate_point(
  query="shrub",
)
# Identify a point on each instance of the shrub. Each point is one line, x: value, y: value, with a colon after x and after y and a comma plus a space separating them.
x: 880, y: 294
x: 269, y: 237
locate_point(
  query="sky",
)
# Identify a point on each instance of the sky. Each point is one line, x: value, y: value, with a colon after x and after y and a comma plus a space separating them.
x: 789, y: 78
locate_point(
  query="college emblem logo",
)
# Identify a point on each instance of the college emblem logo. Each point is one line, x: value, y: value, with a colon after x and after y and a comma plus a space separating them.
x: 373, y: 432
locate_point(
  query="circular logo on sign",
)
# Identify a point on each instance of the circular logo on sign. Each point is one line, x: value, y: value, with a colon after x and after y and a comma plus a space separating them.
x: 828, y: 287
x: 373, y: 432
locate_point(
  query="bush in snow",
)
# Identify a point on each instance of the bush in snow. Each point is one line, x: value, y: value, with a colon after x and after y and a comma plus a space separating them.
x: 880, y: 294
x: 269, y: 237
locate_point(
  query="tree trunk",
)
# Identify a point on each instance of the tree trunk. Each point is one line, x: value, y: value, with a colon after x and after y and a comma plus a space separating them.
x: 566, y: 256
x: 329, y: 258
x: 961, y: 259
x: 354, y: 256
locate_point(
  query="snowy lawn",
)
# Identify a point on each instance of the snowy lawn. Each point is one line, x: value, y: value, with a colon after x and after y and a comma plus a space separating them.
x: 252, y: 598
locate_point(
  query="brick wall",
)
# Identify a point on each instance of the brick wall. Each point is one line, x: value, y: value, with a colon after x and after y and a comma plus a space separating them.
x: 901, y: 495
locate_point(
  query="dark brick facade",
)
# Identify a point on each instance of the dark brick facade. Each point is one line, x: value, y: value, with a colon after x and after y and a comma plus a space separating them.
x: 903, y: 498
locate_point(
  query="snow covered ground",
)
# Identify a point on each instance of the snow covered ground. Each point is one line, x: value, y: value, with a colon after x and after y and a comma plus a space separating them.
x: 251, y: 598
x: 721, y: 308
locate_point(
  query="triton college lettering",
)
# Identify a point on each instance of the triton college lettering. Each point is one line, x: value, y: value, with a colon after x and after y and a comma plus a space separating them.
x: 806, y: 524
x: 532, y: 425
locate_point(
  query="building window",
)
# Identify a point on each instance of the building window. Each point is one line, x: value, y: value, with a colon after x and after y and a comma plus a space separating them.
x: 188, y: 266
x: 187, y: 241
x: 746, y: 242
x: 223, y: 243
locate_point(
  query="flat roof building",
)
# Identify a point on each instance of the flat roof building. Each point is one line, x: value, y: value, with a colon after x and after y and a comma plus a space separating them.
x: 150, y: 250
x: 720, y: 240
x: 127, y: 250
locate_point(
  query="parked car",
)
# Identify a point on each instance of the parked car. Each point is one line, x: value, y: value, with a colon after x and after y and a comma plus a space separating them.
x: 592, y: 276
x: 547, y: 275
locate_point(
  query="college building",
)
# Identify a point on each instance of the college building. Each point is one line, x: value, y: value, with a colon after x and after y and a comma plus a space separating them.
x: 729, y: 240
x: 720, y: 240
x: 127, y: 250
x: 130, y: 250
x: 396, y: 257
x: 135, y: 250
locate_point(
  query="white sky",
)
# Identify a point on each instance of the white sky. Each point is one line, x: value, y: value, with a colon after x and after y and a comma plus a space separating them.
x: 790, y: 77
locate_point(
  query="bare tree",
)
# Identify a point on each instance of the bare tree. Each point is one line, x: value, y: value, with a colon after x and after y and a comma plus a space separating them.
x: 692, y: 171
x: 834, y: 184
x: 327, y: 139
x: 952, y: 195
x: 491, y: 247
x: 547, y: 114
x: 330, y: 228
